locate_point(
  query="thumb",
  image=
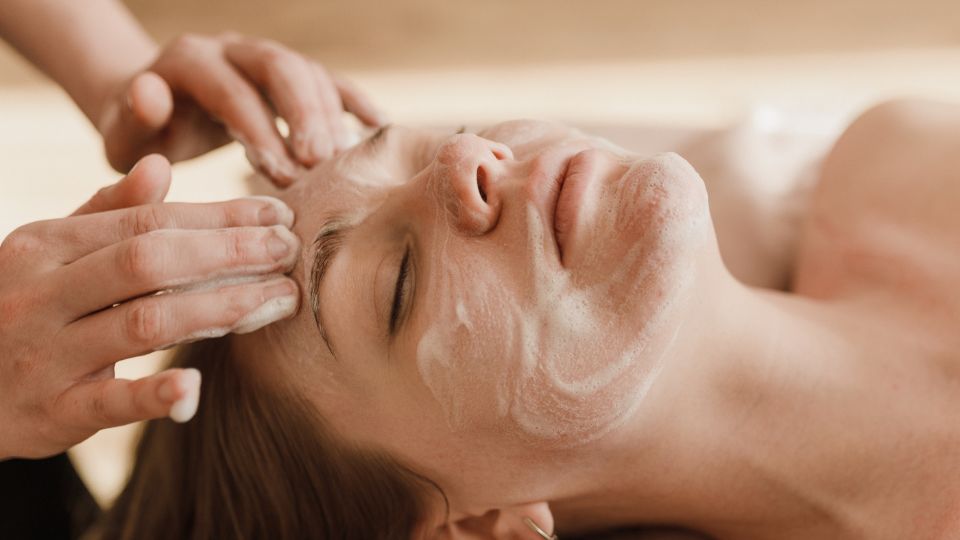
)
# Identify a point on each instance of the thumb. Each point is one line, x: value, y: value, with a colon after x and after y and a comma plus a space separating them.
x: 135, y: 118
x: 148, y: 182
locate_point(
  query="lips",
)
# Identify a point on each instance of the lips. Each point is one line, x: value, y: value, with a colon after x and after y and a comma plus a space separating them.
x: 580, y: 171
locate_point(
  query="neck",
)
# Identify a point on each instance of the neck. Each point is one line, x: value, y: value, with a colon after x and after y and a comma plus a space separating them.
x: 754, y: 430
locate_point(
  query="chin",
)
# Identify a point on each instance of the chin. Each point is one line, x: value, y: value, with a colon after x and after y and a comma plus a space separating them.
x: 592, y: 347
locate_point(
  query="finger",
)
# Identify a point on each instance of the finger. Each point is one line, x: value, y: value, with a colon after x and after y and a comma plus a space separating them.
x: 227, y: 95
x: 135, y: 119
x: 161, y: 321
x: 109, y: 403
x: 332, y: 107
x: 357, y: 103
x: 78, y: 236
x: 148, y: 182
x: 166, y: 259
x: 289, y: 82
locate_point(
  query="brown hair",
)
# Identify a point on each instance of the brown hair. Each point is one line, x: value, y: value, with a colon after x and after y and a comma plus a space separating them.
x: 258, y: 461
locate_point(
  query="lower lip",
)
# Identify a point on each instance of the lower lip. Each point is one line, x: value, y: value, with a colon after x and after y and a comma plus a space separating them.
x: 581, y: 171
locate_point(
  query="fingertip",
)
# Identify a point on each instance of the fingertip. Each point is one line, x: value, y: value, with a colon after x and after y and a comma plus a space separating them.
x: 150, y: 100
x: 148, y: 180
x: 277, y: 213
x: 280, y: 169
x: 185, y: 407
x: 304, y: 144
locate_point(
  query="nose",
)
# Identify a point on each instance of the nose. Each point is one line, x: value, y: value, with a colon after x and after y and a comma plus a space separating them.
x: 469, y: 170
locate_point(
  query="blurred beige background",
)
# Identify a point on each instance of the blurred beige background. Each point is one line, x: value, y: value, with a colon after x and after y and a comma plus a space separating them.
x: 611, y: 64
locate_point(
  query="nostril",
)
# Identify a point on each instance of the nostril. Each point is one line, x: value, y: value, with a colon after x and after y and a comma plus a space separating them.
x: 498, y: 153
x: 482, y: 183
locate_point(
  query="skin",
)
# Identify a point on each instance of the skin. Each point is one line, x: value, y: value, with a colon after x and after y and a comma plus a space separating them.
x: 59, y: 339
x: 189, y: 96
x: 826, y: 411
x: 79, y: 296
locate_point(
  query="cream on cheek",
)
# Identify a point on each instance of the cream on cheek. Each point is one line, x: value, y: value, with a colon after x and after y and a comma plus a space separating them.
x: 550, y: 354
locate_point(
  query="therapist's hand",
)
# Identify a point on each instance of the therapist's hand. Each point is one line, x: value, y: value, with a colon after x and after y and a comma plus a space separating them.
x: 201, y: 91
x: 79, y: 294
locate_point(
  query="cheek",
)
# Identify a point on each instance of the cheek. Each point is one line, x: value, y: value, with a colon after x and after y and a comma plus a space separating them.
x: 464, y: 354
x: 515, y: 351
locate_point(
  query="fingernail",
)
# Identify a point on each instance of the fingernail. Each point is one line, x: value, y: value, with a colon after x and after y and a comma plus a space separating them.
x: 282, y: 288
x: 274, y: 212
x: 274, y: 309
x: 279, y: 168
x: 303, y: 147
x: 280, y: 242
x: 184, y: 408
x: 267, y: 163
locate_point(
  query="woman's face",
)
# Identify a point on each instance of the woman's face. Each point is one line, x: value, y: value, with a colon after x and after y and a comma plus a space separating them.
x: 492, y: 294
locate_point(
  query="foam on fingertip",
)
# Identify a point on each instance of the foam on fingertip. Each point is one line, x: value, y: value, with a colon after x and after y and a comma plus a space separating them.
x: 285, y: 215
x: 270, y: 311
x: 184, y: 408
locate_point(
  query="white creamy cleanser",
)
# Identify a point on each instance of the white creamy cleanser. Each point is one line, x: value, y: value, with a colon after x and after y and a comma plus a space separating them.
x: 571, y: 353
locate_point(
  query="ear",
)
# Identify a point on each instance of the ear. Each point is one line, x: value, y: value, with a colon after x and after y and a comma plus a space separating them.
x: 498, y: 524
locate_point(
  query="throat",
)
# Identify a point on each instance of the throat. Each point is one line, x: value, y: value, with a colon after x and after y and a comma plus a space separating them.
x: 802, y: 418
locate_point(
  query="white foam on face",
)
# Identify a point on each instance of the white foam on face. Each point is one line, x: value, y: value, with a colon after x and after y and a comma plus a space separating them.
x: 559, y: 356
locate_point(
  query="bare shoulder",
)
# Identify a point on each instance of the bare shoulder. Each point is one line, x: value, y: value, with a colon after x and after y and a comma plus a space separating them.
x: 885, y: 214
x: 903, y: 151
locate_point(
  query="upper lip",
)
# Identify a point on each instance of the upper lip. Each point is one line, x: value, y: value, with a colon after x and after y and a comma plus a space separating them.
x: 547, y: 194
x: 555, y: 203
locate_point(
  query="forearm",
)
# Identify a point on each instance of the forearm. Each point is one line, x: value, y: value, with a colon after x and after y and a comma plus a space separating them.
x: 88, y: 47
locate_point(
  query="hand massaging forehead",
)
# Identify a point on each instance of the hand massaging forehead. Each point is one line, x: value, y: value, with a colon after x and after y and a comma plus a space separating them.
x: 501, y: 332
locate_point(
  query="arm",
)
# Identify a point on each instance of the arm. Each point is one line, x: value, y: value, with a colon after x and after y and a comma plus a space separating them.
x: 89, y: 48
x: 227, y: 87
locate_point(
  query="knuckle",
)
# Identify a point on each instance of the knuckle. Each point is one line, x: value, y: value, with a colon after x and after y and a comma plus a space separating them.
x: 146, y: 324
x: 144, y: 219
x: 22, y: 241
x: 98, y: 408
x: 237, y: 250
x: 140, y: 260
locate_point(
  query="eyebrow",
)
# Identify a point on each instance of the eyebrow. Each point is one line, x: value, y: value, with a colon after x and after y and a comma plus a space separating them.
x: 327, y: 243
x: 325, y: 246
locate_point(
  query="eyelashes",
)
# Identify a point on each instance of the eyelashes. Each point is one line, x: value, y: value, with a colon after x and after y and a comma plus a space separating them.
x: 400, y: 291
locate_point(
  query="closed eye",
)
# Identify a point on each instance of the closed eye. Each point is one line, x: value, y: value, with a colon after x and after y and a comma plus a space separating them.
x: 400, y: 291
